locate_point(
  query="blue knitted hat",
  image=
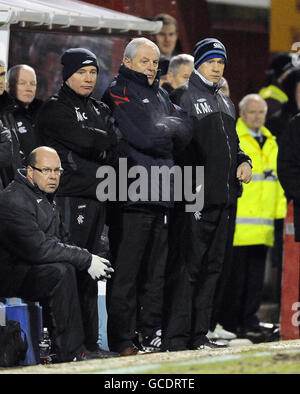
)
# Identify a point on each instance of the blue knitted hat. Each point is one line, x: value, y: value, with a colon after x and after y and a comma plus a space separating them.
x: 208, y: 48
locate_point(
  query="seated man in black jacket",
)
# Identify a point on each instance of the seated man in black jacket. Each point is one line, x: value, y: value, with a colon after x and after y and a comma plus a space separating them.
x: 38, y: 263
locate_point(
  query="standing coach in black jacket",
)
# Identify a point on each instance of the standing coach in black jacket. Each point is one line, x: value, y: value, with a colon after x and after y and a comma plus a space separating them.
x: 11, y: 156
x: 153, y: 127
x: 198, y: 239
x: 37, y: 261
x: 83, y: 133
x: 22, y: 86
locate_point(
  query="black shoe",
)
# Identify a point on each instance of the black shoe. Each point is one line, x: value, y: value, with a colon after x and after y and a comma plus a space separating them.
x: 152, y: 343
x: 80, y: 357
x: 104, y: 353
x: 96, y: 354
x: 132, y: 350
x: 211, y: 345
x: 254, y: 333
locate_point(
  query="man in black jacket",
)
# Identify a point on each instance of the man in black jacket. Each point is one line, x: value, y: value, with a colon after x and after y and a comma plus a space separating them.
x: 11, y: 157
x: 288, y: 167
x: 5, y: 152
x: 38, y: 263
x: 22, y: 86
x: 153, y: 127
x: 84, y: 134
x: 199, y: 238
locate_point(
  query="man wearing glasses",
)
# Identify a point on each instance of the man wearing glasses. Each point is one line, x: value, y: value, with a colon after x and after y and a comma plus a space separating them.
x: 37, y: 261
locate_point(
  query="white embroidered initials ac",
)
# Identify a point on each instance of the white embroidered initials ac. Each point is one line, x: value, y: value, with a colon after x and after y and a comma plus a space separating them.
x: 80, y: 117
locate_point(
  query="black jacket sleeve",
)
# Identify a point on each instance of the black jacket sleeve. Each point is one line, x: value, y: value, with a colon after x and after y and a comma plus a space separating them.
x: 241, y: 156
x: 118, y: 147
x: 181, y: 127
x: 21, y: 235
x: 137, y: 125
x: 58, y: 121
x: 5, y: 147
x: 288, y: 160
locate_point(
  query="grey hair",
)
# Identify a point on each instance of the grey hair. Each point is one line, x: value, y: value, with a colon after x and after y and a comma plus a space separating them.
x: 178, y: 60
x: 251, y: 97
x: 132, y: 48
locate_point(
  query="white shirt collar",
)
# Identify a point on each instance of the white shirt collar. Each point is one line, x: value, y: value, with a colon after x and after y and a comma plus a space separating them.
x: 254, y: 134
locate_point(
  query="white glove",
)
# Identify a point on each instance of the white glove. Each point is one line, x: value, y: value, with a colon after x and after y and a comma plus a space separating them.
x: 100, y: 267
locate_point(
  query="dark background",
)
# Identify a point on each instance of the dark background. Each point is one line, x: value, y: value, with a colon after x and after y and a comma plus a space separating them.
x: 243, y: 30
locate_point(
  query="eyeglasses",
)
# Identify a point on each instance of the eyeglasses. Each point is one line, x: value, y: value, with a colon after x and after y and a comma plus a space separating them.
x: 47, y: 171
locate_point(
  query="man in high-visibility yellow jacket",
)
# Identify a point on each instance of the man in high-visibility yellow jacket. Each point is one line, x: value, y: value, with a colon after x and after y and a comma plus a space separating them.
x: 262, y: 201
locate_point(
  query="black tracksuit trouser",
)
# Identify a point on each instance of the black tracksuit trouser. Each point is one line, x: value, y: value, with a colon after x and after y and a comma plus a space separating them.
x: 135, y: 239
x: 55, y: 287
x: 224, y: 279
x: 151, y: 291
x: 84, y: 219
x: 245, y: 287
x: 196, y: 253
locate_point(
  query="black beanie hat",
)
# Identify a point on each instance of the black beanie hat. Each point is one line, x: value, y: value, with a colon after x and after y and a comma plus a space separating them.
x: 207, y: 49
x: 280, y: 63
x: 75, y: 58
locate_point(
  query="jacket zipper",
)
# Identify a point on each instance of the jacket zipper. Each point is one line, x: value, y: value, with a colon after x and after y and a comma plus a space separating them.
x: 228, y: 146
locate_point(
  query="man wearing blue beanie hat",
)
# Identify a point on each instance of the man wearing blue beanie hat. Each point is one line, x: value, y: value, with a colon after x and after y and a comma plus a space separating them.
x: 208, y: 48
x: 199, y: 240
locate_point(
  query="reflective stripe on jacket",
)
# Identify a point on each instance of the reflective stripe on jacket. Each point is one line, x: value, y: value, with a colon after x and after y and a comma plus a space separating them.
x: 263, y: 198
x: 273, y: 92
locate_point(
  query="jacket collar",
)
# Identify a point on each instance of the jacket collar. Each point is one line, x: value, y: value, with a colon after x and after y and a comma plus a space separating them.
x: 73, y: 95
x: 22, y: 178
x: 139, y: 78
x: 32, y: 108
x: 243, y: 130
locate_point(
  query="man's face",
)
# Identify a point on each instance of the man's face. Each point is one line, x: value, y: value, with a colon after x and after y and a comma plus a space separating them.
x: 26, y: 85
x: 2, y: 79
x: 83, y: 81
x: 145, y: 62
x: 166, y: 39
x: 212, y: 69
x: 48, y: 183
x: 254, y: 114
x: 183, y: 74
